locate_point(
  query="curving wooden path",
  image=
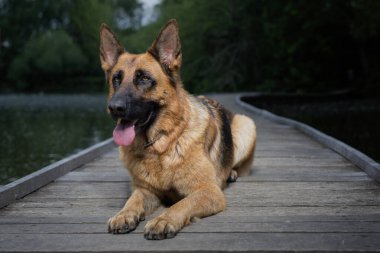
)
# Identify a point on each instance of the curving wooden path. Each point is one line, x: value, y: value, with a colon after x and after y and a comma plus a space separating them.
x: 302, y: 196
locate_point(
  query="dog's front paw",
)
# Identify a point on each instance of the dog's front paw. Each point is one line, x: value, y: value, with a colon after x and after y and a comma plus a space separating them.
x: 123, y: 222
x: 160, y: 228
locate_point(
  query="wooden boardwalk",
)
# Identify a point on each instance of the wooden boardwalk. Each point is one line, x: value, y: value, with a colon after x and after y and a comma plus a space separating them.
x: 302, y: 196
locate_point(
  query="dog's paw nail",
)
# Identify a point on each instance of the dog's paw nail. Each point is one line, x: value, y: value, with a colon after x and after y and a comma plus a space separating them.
x: 123, y: 230
x: 121, y: 224
x: 148, y: 236
x: 153, y: 236
x: 159, y: 229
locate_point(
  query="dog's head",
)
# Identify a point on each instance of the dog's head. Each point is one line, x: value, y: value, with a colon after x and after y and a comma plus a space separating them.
x: 139, y: 84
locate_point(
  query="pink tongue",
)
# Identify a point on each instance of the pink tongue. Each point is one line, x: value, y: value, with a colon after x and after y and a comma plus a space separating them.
x: 124, y: 135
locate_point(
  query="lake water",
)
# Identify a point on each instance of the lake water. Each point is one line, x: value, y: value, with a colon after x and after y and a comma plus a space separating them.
x: 353, y: 120
x: 37, y: 130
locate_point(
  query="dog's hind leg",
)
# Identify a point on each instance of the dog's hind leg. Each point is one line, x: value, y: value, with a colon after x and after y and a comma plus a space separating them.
x: 244, y: 139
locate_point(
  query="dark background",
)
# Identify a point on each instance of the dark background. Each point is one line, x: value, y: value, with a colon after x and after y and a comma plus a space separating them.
x: 287, y: 46
x: 322, y: 56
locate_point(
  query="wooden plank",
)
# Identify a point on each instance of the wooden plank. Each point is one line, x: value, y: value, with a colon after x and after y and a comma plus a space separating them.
x: 13, y: 220
x: 192, y: 242
x: 248, y: 197
x: 203, y: 226
x: 285, y: 145
x: 309, y: 158
x: 101, y: 169
x: 294, y: 150
x: 327, y: 176
x: 10, y: 219
x: 231, y: 211
x: 91, y: 176
x: 258, y: 176
x: 289, y: 134
x: 320, y: 153
x: 272, y: 138
x: 332, y: 187
x: 219, y: 218
x: 111, y: 196
x: 291, y: 167
x: 303, y: 169
x: 122, y: 189
x: 234, y: 199
x: 291, y: 199
x: 83, y: 191
x: 301, y: 196
x: 299, y: 210
x: 300, y: 161
x: 371, y: 167
x: 72, y: 203
x: 106, y: 163
x: 35, y: 180
x: 114, y: 154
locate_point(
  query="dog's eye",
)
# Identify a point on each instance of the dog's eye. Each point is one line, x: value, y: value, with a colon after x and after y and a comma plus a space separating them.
x: 141, y: 76
x: 116, y: 79
x: 144, y: 78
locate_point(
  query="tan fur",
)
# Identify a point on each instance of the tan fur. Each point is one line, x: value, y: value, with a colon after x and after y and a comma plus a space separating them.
x: 183, y: 165
x: 243, y: 132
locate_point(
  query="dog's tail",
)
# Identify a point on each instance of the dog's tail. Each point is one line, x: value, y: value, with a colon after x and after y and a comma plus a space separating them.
x: 244, y: 139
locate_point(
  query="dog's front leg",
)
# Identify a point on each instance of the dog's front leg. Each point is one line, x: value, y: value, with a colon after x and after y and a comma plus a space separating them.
x: 207, y: 200
x: 139, y: 204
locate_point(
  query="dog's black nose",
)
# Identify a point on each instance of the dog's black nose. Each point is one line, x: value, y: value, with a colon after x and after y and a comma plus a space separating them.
x: 117, y: 107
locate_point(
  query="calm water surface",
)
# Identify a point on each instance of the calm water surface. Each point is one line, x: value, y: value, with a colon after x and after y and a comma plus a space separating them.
x: 36, y: 130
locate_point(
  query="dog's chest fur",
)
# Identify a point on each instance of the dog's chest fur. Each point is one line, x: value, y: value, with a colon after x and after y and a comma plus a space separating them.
x: 170, y: 171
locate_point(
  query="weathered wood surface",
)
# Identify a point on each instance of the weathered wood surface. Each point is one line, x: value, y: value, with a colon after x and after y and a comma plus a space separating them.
x: 371, y: 167
x: 25, y: 185
x: 301, y: 196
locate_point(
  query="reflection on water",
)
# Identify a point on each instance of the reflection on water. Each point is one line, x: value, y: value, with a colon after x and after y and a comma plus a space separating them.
x: 38, y: 130
x: 352, y: 120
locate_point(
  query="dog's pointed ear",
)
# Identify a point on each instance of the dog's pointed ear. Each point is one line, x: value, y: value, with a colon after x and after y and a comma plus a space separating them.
x: 110, y: 48
x: 167, y: 47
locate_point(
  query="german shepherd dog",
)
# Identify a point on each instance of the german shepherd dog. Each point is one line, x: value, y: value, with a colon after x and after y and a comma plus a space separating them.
x: 180, y: 150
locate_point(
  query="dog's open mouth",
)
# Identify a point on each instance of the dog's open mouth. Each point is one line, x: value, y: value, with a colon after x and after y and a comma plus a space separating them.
x: 125, y: 131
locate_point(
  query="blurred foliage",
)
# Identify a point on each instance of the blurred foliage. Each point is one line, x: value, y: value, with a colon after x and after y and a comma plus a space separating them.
x: 44, y: 56
x: 293, y: 46
x: 53, y: 46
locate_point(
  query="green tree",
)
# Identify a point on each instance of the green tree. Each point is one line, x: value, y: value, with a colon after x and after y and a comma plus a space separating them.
x: 213, y: 39
x: 296, y: 46
x: 65, y: 33
x: 45, y: 62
